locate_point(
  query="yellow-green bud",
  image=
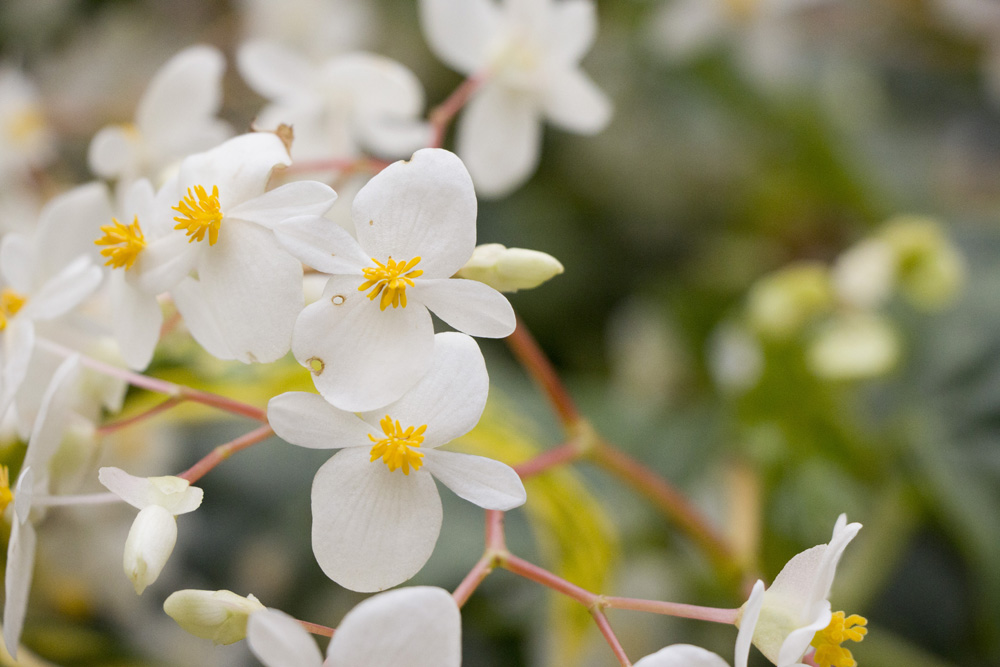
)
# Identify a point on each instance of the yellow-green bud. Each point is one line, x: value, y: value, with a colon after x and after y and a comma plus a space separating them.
x: 781, y: 303
x: 930, y: 269
x: 854, y: 347
x: 217, y: 615
x: 510, y: 269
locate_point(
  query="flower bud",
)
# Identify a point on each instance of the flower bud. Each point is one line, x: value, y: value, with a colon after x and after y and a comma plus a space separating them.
x: 854, y: 347
x: 781, y: 303
x: 217, y: 615
x: 510, y: 269
x: 149, y: 544
x: 930, y: 268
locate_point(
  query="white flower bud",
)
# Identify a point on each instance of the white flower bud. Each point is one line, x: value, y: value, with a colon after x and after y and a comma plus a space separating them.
x: 217, y: 615
x: 510, y: 269
x: 781, y: 303
x: 931, y: 270
x: 854, y: 347
x: 865, y: 275
x: 149, y: 544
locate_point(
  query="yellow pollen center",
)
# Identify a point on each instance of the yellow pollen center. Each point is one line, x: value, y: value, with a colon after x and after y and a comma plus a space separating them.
x: 6, y: 495
x: 10, y: 303
x: 124, y: 242
x: 399, y: 448
x: 829, y: 652
x: 390, y: 280
x: 200, y: 212
x: 24, y: 125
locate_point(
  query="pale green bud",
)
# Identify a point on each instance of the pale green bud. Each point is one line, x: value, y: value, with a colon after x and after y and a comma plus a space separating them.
x: 217, y: 615
x: 930, y: 269
x: 148, y: 546
x: 510, y: 269
x: 781, y: 303
x: 854, y: 347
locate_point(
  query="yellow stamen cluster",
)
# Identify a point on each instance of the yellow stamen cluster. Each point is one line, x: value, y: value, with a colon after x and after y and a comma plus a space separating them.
x: 390, y: 280
x: 399, y: 448
x: 25, y: 124
x: 124, y: 243
x: 10, y: 303
x: 829, y: 652
x: 200, y: 212
x: 6, y: 495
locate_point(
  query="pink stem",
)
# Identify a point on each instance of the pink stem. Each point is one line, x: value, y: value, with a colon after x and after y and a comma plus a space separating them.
x: 609, y: 635
x: 696, y: 612
x: 530, y: 355
x: 223, y: 452
x: 84, y: 499
x: 344, y: 164
x: 495, y: 540
x: 546, y: 578
x: 476, y: 576
x: 151, y: 412
x: 442, y: 115
x: 316, y: 629
x: 549, y: 459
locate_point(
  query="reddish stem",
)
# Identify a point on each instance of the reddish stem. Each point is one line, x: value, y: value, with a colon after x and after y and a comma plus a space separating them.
x: 551, y: 458
x: 696, y: 612
x: 343, y: 164
x: 442, y: 115
x: 533, y: 359
x: 495, y: 540
x: 609, y: 635
x: 549, y: 580
x: 146, y: 414
x: 223, y: 452
x: 476, y: 576
x: 316, y: 629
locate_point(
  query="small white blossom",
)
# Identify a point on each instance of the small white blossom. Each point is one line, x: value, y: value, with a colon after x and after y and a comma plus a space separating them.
x: 376, y: 509
x: 217, y: 615
x: 510, y: 269
x: 26, y: 140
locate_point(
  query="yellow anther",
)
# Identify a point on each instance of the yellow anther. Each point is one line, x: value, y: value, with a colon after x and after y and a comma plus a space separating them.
x: 6, y: 495
x: 10, y: 303
x: 24, y: 125
x: 399, y: 448
x: 829, y: 652
x: 125, y: 243
x: 390, y: 280
x: 200, y: 212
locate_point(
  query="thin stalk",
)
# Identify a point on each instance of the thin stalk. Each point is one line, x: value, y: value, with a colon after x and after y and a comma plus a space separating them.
x: 142, y: 416
x: 476, y: 576
x: 677, y: 609
x: 82, y: 499
x: 442, y: 115
x: 316, y: 629
x: 551, y: 458
x: 609, y: 636
x: 223, y: 452
x: 545, y: 578
x: 530, y: 355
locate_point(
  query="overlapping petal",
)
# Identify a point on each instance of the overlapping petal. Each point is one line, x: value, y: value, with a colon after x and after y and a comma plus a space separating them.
x: 573, y: 102
x: 307, y: 420
x: 278, y: 640
x: 240, y: 167
x: 470, y: 306
x: 293, y: 199
x: 322, y: 244
x: 484, y: 482
x: 458, y: 30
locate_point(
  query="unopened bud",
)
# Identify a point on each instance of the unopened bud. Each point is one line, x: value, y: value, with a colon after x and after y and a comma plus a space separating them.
x: 149, y: 544
x: 930, y: 268
x: 854, y: 347
x: 510, y: 269
x: 217, y: 615
x: 781, y: 303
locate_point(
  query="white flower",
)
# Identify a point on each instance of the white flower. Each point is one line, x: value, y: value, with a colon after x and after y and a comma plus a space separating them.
x: 248, y: 291
x: 154, y: 531
x: 416, y: 627
x: 26, y: 141
x: 529, y: 52
x: 217, y: 615
x: 370, y: 337
x: 685, y: 655
x: 175, y: 117
x: 853, y: 346
x: 795, y: 614
x: 510, y: 269
x: 376, y: 509
x: 319, y: 28
x: 351, y: 102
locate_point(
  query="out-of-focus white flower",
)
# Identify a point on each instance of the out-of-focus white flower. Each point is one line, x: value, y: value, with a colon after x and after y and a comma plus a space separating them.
x: 318, y: 28
x: 217, y: 615
x: 510, y: 269
x: 795, y: 615
x: 781, y: 303
x: 175, y: 117
x: 528, y: 53
x: 351, y: 102
x: 248, y: 290
x: 929, y: 268
x: 26, y: 140
x: 735, y: 358
x: 370, y: 338
x: 685, y: 655
x: 376, y: 509
x: 853, y: 346
x: 864, y: 276
x: 154, y: 531
x: 417, y: 627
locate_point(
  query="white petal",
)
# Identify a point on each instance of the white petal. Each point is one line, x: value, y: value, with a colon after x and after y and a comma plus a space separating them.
x: 174, y: 494
x: 392, y: 137
x: 136, y: 321
x: 425, y: 207
x: 574, y: 103
x: 366, y: 357
x: 307, y: 420
x: 573, y: 27
x: 149, y: 545
x: 65, y: 290
x: 112, y: 153
x: 322, y: 244
x: 56, y: 403
x: 449, y: 398
x: 372, y: 528
x: 416, y: 627
x: 376, y: 85
x: 68, y: 226
x: 274, y: 71
x: 798, y: 640
x: 499, y: 138
x: 843, y: 533
x: 288, y: 201
x: 684, y: 28
x: 278, y: 640
x: 17, y: 582
x: 240, y: 168
x: 254, y: 290
x: 748, y: 623
x: 16, y: 263
x: 459, y: 31
x: 165, y: 262
x: 24, y: 493
x: 682, y: 655
x: 18, y: 345
x: 468, y: 305
x: 199, y: 318
x: 484, y: 482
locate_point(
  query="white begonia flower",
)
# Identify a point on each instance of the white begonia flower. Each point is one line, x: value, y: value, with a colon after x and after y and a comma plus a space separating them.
x: 318, y: 28
x: 376, y: 509
x: 864, y: 276
x: 510, y: 269
x: 26, y: 141
x: 780, y: 304
x: 154, y: 531
x: 370, y: 337
x: 351, y: 102
x: 417, y: 627
x: 175, y: 117
x: 217, y: 615
x: 248, y: 290
x: 854, y: 346
x: 795, y: 615
x: 528, y: 53
x: 32, y: 482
